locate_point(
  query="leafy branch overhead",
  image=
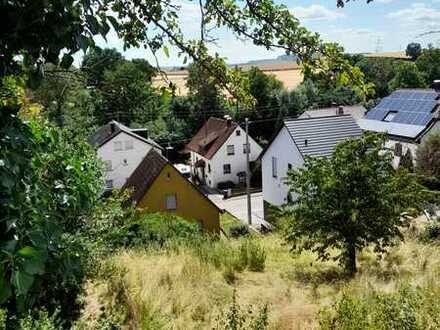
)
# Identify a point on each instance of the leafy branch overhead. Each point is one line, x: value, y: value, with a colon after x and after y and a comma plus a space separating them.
x: 72, y: 26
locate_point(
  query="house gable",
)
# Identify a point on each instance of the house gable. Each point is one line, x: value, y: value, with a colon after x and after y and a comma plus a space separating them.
x: 191, y: 204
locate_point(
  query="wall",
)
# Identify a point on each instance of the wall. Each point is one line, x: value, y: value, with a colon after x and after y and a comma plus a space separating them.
x: 191, y: 204
x: 283, y: 148
x: 390, y: 144
x: 121, y: 172
x: 237, y: 161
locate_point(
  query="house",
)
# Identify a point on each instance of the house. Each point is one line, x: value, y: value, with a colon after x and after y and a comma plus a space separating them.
x: 295, y: 140
x: 406, y: 116
x: 356, y: 111
x: 157, y: 186
x: 218, y: 152
x: 121, y: 149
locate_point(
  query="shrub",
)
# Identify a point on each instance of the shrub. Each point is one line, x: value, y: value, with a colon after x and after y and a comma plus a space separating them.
x: 225, y: 185
x: 235, y: 318
x: 254, y: 255
x: 41, y: 321
x: 3, y: 315
x: 407, y: 308
x: 431, y: 232
x: 238, y: 231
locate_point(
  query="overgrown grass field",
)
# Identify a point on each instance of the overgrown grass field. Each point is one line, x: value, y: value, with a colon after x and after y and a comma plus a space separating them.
x: 192, y: 285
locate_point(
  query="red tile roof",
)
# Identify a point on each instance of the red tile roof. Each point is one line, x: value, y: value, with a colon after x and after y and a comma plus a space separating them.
x: 211, y: 137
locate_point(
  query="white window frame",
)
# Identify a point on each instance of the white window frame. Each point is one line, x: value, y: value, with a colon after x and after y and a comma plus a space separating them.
x: 117, y: 146
x: 274, y: 167
x: 171, y: 202
x: 225, y: 166
x: 390, y: 116
x: 128, y: 145
x: 230, y: 150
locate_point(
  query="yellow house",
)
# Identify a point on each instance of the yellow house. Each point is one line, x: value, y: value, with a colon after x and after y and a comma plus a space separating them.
x: 157, y: 186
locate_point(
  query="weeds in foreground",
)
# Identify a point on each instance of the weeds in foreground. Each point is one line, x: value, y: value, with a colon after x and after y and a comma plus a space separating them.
x: 235, y: 318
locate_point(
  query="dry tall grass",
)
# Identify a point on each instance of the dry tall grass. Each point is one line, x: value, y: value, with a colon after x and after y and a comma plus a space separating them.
x: 174, y: 289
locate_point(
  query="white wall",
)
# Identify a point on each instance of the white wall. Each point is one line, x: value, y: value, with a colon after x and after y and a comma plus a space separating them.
x: 237, y: 161
x: 284, y: 149
x: 391, y: 144
x: 120, y: 172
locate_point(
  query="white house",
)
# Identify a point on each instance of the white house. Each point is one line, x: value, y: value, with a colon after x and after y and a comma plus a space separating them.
x: 407, y: 116
x: 121, y: 149
x: 218, y: 152
x: 295, y: 140
x: 356, y: 111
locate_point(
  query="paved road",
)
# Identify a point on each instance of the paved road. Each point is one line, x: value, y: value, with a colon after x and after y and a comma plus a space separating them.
x: 237, y: 206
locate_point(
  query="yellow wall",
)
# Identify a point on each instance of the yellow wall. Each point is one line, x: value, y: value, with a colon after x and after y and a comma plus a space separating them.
x: 191, y: 204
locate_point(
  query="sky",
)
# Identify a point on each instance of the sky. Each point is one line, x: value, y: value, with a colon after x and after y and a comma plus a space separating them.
x: 382, y: 25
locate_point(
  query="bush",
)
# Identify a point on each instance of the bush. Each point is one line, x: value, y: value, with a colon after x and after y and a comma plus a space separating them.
x: 235, y: 318
x: 238, y: 231
x: 431, y: 232
x: 254, y: 255
x: 408, y: 308
x: 3, y: 315
x: 41, y: 321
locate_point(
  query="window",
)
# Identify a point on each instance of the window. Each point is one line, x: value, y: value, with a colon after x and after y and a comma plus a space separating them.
x: 227, y: 169
x: 108, y: 184
x: 274, y: 167
x: 128, y: 145
x: 107, y: 165
x: 238, y: 132
x: 390, y: 116
x: 244, y: 148
x: 125, y: 162
x: 117, y: 145
x: 398, y: 149
x: 230, y: 150
x: 209, y: 168
x: 171, y: 202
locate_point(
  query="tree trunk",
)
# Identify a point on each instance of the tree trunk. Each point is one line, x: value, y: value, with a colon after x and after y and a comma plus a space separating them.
x: 351, y: 259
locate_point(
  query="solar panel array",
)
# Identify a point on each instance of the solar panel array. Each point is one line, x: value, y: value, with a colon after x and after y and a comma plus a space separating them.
x: 413, y: 107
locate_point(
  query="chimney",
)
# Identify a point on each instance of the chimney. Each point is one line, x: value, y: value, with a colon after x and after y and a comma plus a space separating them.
x: 306, y: 142
x: 228, y: 120
x: 340, y: 110
x: 112, y: 126
x: 436, y: 85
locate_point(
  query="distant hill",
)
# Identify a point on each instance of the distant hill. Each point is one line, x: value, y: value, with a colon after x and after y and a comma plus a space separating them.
x: 279, y: 59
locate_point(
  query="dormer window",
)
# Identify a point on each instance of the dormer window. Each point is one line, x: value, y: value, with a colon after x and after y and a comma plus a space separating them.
x: 238, y: 132
x: 390, y: 116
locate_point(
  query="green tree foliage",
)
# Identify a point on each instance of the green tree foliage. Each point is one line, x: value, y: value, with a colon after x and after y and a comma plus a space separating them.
x: 351, y: 200
x: 96, y: 61
x: 67, y: 101
x: 40, y: 30
x: 407, y: 76
x: 429, y: 63
x: 407, y: 161
x: 206, y: 95
x: 42, y: 260
x: 428, y: 157
x: 379, y: 71
x: 413, y: 50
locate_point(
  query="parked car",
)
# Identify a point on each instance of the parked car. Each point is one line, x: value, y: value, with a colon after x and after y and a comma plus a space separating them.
x: 184, y: 169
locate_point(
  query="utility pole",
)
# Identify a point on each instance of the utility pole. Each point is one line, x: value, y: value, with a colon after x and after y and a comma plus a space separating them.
x: 248, y: 175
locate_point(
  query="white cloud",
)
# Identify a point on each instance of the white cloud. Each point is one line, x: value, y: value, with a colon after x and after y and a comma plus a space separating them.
x: 418, y: 16
x: 316, y: 13
x: 383, y: 1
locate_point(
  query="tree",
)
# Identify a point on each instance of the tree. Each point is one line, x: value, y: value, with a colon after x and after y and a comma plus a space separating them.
x: 428, y: 157
x: 205, y: 93
x: 351, y: 200
x: 407, y: 76
x: 379, y: 71
x: 406, y: 161
x: 96, y: 61
x: 429, y: 64
x: 413, y: 50
x: 39, y: 31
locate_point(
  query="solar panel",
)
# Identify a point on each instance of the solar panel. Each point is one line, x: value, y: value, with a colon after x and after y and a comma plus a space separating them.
x: 414, y: 107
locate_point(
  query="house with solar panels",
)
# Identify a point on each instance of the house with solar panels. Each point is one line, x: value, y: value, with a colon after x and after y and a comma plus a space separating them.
x: 294, y: 141
x: 406, y: 116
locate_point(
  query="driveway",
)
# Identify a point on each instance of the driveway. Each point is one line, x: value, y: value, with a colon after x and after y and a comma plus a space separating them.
x: 237, y: 206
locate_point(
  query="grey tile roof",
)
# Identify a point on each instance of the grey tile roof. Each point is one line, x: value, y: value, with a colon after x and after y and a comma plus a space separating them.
x: 113, y: 128
x: 319, y: 136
